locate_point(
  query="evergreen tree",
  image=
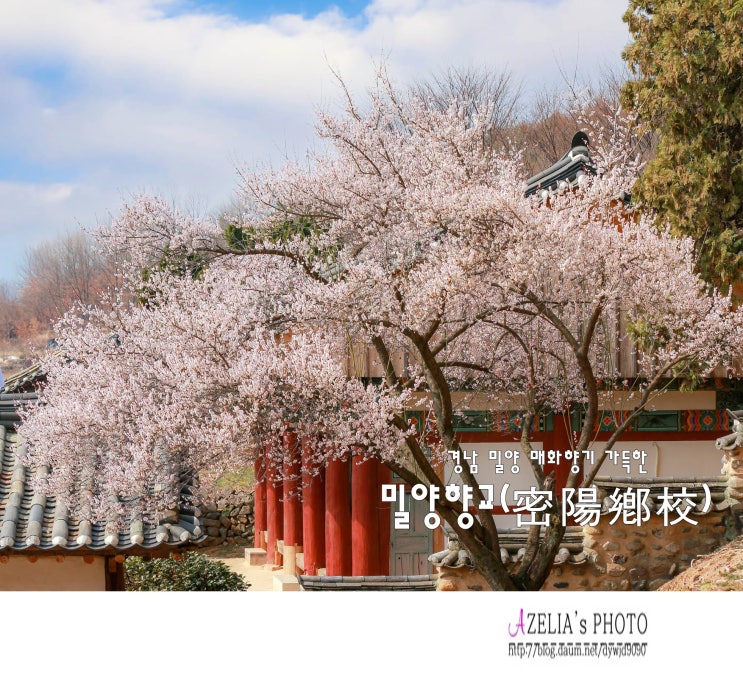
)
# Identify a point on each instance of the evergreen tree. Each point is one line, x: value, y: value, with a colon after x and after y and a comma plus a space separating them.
x: 687, y: 57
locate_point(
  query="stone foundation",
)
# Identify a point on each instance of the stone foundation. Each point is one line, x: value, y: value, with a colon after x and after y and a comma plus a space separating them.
x: 628, y: 557
x: 617, y: 557
x: 229, y: 519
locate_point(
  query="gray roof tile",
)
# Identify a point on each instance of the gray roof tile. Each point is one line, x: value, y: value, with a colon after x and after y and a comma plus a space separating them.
x: 31, y: 521
x: 565, y: 172
x: 26, y: 380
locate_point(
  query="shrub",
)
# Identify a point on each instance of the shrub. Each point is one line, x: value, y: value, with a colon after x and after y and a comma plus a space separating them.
x: 193, y: 572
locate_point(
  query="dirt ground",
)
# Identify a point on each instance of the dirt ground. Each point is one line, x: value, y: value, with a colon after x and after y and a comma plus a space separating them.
x: 718, y: 571
x: 259, y: 577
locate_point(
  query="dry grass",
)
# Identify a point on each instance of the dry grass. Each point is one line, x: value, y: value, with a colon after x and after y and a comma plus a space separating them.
x: 718, y: 571
x: 242, y: 479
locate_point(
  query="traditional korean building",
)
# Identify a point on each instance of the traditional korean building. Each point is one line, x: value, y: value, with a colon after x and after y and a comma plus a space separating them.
x: 45, y: 547
x: 336, y: 524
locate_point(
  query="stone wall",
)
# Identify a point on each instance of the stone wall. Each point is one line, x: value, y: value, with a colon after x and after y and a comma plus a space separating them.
x: 229, y: 519
x: 628, y: 557
x: 612, y: 555
x: 733, y: 469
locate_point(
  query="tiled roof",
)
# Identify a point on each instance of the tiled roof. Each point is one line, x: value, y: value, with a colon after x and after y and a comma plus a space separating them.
x: 565, y: 172
x: 658, y: 487
x: 382, y: 583
x: 9, y: 407
x: 26, y: 380
x: 31, y: 521
x: 513, y: 548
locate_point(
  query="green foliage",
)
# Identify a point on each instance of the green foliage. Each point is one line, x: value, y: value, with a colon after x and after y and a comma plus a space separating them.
x: 648, y: 336
x: 730, y: 396
x: 687, y: 57
x: 238, y: 238
x: 194, y: 572
x: 177, y: 263
x: 280, y: 236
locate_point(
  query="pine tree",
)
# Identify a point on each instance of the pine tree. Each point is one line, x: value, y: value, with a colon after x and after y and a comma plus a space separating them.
x: 687, y: 59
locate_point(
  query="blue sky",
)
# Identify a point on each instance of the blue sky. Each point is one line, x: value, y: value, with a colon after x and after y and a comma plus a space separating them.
x: 101, y: 100
x: 260, y: 11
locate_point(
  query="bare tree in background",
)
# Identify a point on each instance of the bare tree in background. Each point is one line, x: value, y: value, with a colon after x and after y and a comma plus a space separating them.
x: 547, y: 131
x: 543, y: 129
x: 8, y: 313
x: 60, y: 273
x: 544, y: 133
x: 476, y: 91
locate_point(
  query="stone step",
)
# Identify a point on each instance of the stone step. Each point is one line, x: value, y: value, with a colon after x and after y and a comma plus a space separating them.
x: 283, y: 582
x: 255, y: 556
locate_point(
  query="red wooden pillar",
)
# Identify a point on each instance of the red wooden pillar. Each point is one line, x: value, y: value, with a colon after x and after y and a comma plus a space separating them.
x: 292, y: 500
x: 313, y: 511
x: 292, y: 491
x: 364, y: 517
x: 337, y: 518
x: 384, y: 508
x: 259, y: 503
x: 274, y: 512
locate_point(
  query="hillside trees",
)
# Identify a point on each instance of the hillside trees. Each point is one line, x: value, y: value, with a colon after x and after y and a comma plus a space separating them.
x: 407, y: 234
x: 57, y: 274
x: 8, y: 313
x: 60, y: 273
x: 687, y: 59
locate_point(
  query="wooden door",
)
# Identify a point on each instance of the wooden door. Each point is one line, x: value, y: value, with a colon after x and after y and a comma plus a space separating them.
x: 409, y: 549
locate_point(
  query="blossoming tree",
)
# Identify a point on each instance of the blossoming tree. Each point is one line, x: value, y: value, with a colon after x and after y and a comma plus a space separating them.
x: 406, y: 234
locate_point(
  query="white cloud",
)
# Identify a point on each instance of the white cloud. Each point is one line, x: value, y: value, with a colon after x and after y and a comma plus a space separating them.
x: 117, y: 96
x: 54, y: 193
x: 25, y: 207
